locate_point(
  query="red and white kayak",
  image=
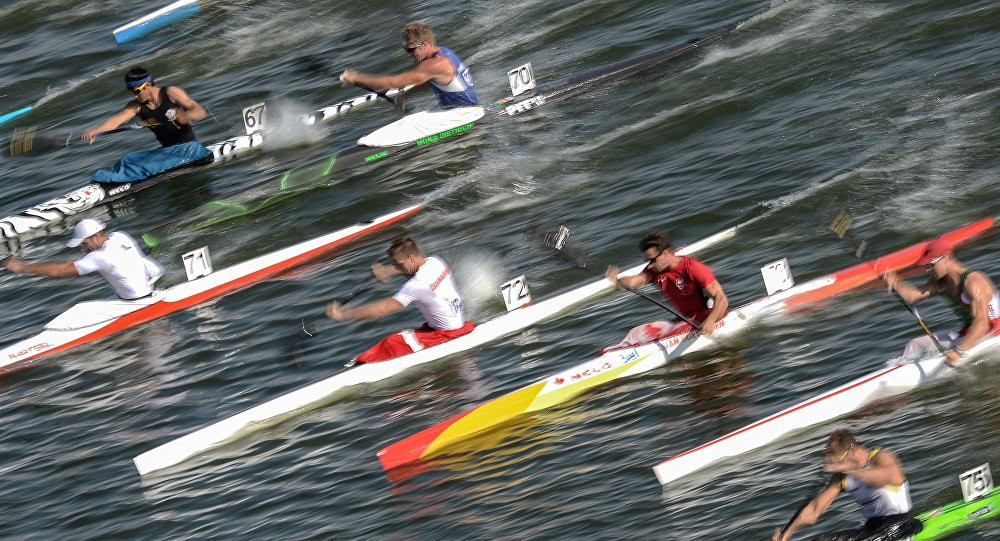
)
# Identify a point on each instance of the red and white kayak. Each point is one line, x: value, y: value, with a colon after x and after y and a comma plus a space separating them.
x: 93, y: 320
x: 833, y: 404
x: 325, y: 391
x: 630, y: 361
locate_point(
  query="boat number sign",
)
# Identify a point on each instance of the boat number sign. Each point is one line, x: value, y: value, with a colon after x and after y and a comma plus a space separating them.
x: 777, y: 276
x: 253, y: 117
x: 197, y: 263
x: 976, y: 482
x: 515, y: 293
x: 522, y: 79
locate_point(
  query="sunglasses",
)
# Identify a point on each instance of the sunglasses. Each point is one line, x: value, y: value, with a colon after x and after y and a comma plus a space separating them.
x: 135, y: 91
x: 409, y: 50
x: 935, y: 260
x: 843, y: 456
x: 655, y: 257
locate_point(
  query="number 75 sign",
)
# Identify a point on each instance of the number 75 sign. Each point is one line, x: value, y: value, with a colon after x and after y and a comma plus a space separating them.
x: 976, y: 483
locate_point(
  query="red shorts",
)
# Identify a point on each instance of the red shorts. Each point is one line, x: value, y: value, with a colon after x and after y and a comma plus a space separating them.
x: 403, y: 343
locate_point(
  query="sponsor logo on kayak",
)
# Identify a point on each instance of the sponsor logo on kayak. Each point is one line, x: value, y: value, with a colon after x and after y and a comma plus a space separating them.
x: 980, y: 512
x: 591, y: 371
x: 446, y: 133
x: 377, y: 156
x: 29, y: 349
x: 119, y: 189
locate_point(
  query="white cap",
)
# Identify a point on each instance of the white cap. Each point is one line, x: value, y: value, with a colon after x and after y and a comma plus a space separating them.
x: 84, y: 228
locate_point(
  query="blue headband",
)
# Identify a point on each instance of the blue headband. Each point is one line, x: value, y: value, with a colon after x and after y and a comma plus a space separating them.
x: 133, y: 84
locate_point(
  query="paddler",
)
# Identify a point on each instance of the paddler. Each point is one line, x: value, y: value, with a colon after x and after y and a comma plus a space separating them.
x: 687, y: 283
x: 168, y: 112
x: 437, y: 66
x: 874, y: 478
x: 431, y: 287
x: 969, y: 291
x: 115, y: 256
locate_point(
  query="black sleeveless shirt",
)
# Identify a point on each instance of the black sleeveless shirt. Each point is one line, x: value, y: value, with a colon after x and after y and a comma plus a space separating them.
x: 167, y: 132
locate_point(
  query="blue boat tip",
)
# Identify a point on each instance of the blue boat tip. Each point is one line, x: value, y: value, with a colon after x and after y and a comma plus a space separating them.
x: 8, y: 116
x: 136, y: 31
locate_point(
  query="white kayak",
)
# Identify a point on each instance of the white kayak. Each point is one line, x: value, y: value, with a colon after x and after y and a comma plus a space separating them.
x: 92, y: 320
x: 327, y: 390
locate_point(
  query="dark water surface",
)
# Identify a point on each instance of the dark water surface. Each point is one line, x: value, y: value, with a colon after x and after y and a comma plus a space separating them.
x: 890, y: 107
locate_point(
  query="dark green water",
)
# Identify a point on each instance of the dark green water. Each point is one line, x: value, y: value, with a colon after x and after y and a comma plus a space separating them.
x: 890, y: 107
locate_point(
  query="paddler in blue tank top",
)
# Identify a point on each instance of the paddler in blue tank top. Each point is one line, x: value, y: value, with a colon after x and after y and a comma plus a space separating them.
x: 436, y: 66
x: 969, y: 291
x: 168, y: 112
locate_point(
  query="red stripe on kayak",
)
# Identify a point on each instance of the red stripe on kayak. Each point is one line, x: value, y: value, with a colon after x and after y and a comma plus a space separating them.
x: 862, y: 273
x: 412, y: 448
x: 782, y: 414
x: 162, y: 308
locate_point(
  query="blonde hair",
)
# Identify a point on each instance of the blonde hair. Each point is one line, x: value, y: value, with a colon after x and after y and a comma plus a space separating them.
x: 418, y: 32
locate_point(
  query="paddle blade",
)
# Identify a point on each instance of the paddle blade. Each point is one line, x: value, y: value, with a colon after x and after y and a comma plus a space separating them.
x: 25, y: 141
x: 293, y: 348
x: 839, y: 220
x: 559, y: 241
x: 313, y: 64
x: 152, y: 241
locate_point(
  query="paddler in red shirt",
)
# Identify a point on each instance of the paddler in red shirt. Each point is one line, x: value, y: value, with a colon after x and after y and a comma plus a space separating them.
x: 687, y: 283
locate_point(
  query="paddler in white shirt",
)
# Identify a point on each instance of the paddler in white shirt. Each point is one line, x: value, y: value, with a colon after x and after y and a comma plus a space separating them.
x: 436, y: 66
x: 875, y: 479
x: 431, y: 288
x: 969, y: 291
x: 115, y: 256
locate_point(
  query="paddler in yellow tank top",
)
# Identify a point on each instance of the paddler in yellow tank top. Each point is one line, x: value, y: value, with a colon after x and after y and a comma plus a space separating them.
x: 875, y: 478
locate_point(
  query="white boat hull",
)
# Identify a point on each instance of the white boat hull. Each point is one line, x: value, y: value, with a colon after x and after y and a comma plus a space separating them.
x: 833, y: 404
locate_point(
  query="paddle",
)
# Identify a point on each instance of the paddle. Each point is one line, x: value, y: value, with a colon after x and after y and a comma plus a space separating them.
x: 802, y: 508
x: 796, y: 514
x: 559, y: 241
x: 294, y: 345
x: 26, y: 141
x: 841, y: 225
x: 312, y: 63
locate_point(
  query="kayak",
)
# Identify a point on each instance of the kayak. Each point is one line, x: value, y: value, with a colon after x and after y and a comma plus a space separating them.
x: 956, y: 516
x: 630, y: 361
x: 327, y: 390
x: 92, y: 320
x: 392, y: 142
x: 43, y: 216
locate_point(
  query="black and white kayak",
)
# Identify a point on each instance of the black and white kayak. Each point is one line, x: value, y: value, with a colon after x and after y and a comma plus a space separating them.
x: 92, y: 320
x: 418, y: 131
x: 53, y: 211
